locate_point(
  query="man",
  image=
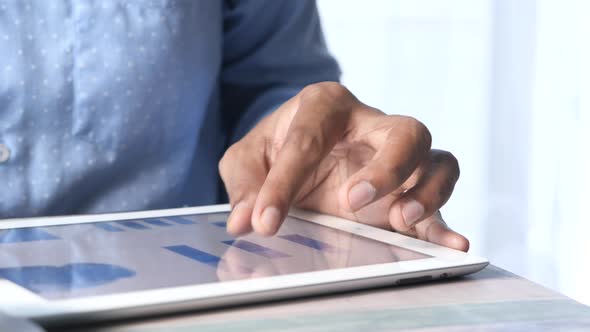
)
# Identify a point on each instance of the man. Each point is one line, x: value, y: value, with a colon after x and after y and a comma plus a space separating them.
x: 113, y: 105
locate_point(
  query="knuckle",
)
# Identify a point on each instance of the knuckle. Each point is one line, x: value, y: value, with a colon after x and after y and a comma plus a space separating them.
x: 454, y: 164
x: 418, y: 130
x: 222, y: 165
x: 228, y: 159
x: 332, y: 90
x: 305, y: 142
x: 331, y: 103
x: 449, y: 161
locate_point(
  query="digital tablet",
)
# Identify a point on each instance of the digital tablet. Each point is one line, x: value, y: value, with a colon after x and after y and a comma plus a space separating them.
x: 111, y: 266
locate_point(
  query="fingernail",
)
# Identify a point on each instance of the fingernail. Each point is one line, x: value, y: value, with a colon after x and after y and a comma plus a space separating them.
x: 270, y: 218
x: 412, y: 211
x: 361, y: 194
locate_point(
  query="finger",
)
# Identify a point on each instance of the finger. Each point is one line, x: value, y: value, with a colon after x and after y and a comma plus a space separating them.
x: 399, y: 153
x: 431, y: 192
x: 243, y: 172
x: 266, y: 269
x: 224, y: 271
x: 319, y: 122
x: 435, y: 230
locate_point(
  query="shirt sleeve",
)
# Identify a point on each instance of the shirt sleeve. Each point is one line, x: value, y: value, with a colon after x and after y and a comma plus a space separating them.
x: 271, y: 50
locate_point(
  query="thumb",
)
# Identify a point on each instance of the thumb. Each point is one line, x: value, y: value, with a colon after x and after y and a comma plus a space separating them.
x: 243, y: 174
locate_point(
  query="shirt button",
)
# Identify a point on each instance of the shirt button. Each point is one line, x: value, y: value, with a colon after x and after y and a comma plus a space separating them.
x: 4, y: 153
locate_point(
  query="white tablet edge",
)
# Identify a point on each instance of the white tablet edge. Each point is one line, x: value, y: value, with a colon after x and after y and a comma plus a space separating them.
x: 21, y: 302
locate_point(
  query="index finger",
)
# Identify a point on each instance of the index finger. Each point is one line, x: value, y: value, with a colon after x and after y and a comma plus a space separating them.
x: 320, y: 121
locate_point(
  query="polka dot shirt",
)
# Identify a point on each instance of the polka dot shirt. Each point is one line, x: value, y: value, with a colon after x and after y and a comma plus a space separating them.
x: 128, y: 105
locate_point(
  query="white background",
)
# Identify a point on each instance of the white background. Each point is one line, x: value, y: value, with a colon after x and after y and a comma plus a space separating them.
x: 505, y: 86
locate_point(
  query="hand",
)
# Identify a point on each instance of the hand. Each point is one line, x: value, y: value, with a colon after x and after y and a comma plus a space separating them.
x: 326, y: 151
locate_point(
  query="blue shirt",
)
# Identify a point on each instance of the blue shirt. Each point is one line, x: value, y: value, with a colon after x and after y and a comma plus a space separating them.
x: 129, y: 105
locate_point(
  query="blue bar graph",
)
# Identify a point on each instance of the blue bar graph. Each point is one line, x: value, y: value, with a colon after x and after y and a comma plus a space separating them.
x: 25, y: 235
x: 255, y: 248
x: 308, y: 242
x: 108, y: 227
x: 195, y: 254
x: 133, y: 224
x: 181, y: 220
x: 220, y: 224
x: 157, y: 222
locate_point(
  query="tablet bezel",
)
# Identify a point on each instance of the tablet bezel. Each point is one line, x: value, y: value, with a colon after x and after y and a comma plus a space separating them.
x: 445, y: 262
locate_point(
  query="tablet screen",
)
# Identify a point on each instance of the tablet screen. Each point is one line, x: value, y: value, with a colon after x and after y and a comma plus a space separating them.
x: 76, y: 260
